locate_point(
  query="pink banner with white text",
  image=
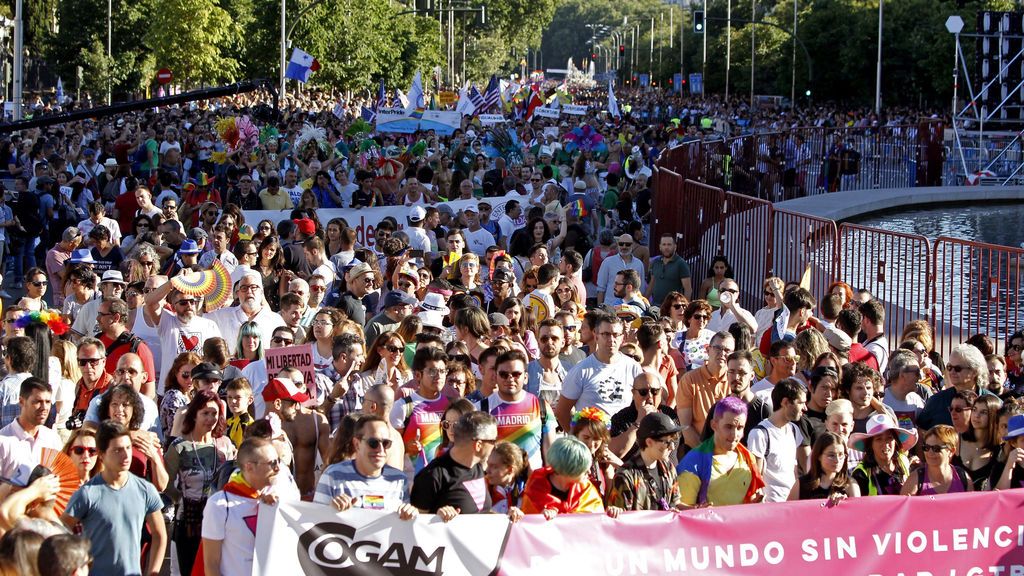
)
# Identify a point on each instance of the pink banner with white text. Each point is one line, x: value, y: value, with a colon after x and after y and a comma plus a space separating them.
x: 954, y: 535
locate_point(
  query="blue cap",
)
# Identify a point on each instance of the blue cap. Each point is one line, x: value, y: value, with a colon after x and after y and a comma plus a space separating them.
x: 89, y: 152
x: 396, y: 298
x: 189, y: 247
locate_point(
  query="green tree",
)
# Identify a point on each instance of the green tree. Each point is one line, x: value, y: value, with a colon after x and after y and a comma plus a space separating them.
x: 193, y: 38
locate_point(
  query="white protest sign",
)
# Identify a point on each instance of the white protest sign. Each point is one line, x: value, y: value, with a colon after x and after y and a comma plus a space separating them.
x: 545, y: 112
x: 491, y: 119
x: 574, y: 109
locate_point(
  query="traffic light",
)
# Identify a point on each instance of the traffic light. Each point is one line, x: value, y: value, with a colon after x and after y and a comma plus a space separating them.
x: 698, y: 21
x: 622, y: 49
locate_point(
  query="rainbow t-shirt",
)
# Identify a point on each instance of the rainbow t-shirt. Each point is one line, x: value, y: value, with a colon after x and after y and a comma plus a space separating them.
x: 521, y: 423
x: 415, y: 413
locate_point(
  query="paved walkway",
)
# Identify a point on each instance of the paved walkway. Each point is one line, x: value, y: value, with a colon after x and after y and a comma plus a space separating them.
x: 845, y: 205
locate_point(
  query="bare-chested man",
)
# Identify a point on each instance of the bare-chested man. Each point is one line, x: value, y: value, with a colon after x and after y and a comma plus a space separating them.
x: 307, y: 430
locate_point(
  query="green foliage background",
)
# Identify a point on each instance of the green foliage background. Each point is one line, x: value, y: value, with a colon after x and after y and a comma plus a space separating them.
x: 358, y: 42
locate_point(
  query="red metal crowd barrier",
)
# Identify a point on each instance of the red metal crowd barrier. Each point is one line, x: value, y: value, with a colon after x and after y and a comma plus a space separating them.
x: 803, y: 244
x: 976, y: 290
x: 894, y: 267
x: 748, y: 229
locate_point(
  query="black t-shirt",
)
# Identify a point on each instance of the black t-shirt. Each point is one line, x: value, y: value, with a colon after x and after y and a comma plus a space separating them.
x: 112, y: 261
x: 812, y: 425
x: 445, y: 482
x: 643, y: 201
x: 353, y: 307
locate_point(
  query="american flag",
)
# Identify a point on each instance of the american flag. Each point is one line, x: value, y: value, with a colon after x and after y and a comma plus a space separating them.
x: 476, y: 98
x: 491, y: 94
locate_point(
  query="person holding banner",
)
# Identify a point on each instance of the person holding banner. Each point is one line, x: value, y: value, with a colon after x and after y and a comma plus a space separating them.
x: 647, y: 481
x: 454, y: 483
x: 367, y: 481
x: 720, y: 471
x: 563, y: 486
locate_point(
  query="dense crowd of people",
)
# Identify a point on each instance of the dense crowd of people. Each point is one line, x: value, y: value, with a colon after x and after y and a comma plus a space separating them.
x: 551, y: 360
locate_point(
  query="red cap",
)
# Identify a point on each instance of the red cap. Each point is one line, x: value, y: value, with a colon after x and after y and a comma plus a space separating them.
x: 283, y: 389
x: 306, y: 226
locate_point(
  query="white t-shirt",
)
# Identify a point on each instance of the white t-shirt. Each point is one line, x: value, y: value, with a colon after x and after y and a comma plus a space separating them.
x: 607, y: 386
x: 507, y: 227
x: 177, y: 337
x: 418, y: 239
x: 151, y: 336
x: 346, y: 194
x: 227, y: 518
x: 478, y: 242
x: 230, y: 320
x: 780, y: 463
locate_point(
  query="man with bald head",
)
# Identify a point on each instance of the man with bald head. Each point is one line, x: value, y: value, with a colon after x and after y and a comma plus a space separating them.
x: 251, y: 307
x: 130, y: 370
x: 378, y: 400
x: 649, y: 396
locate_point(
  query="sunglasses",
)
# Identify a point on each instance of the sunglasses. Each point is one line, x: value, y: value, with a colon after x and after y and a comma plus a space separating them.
x: 392, y: 349
x: 701, y: 316
x: 625, y: 244
x: 643, y: 392
x: 505, y: 374
x: 678, y: 306
x: 80, y: 450
x: 279, y: 340
x: 447, y: 424
x: 960, y: 410
x: 957, y: 369
x: 186, y: 302
x: 39, y: 284
x: 376, y: 443
x: 936, y: 449
x: 89, y: 361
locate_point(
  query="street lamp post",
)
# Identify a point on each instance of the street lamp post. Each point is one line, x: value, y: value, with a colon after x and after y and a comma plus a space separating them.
x: 704, y: 58
x: 878, y: 69
x: 792, y: 86
x: 284, y: 42
x: 19, y: 57
x: 110, y: 36
x: 728, y: 45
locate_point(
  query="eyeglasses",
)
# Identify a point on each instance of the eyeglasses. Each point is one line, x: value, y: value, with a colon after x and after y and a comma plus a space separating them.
x: 959, y: 409
x: 80, y: 450
x: 722, y: 349
x: 436, y: 372
x: 447, y: 424
x: 377, y: 443
x: 279, y: 340
x: 936, y: 448
x: 89, y: 361
x: 700, y: 317
x: 610, y: 334
x: 506, y: 374
x: 392, y: 349
x: 253, y: 253
x: 249, y: 287
x: 322, y: 323
x: 670, y: 442
x: 957, y: 369
x: 643, y: 392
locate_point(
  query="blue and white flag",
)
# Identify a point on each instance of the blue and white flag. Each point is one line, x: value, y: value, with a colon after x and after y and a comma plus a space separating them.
x: 301, y: 65
x: 613, y: 103
x: 415, y: 94
x: 60, y: 92
x: 368, y: 114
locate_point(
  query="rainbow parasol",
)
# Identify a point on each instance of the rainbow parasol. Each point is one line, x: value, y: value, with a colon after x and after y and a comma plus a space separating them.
x: 214, y: 284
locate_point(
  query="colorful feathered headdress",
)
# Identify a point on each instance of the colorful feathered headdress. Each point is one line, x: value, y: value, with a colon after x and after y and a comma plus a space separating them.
x: 594, y: 414
x: 49, y: 318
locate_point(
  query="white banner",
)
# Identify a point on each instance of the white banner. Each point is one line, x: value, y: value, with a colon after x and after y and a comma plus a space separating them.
x: 574, y: 109
x: 302, y: 538
x: 396, y: 120
x: 363, y: 220
x: 442, y: 122
x: 545, y: 112
x: 491, y: 119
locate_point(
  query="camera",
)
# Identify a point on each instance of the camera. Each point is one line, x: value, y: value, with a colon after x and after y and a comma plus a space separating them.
x: 76, y: 420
